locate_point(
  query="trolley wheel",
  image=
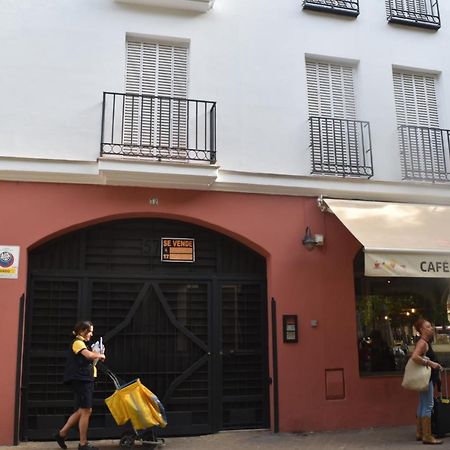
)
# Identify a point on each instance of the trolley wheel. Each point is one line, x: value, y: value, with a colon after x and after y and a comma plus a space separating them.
x: 149, y: 440
x: 127, y: 440
x: 147, y: 445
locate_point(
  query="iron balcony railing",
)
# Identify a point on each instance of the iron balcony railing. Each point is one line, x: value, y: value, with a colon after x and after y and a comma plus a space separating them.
x: 340, y: 147
x: 421, y: 13
x: 158, y: 127
x: 425, y: 153
x: 345, y: 7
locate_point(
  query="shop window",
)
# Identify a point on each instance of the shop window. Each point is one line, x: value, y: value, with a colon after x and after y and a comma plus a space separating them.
x: 386, y: 309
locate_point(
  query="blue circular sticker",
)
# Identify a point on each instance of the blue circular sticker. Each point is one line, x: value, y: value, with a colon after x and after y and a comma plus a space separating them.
x: 6, y: 259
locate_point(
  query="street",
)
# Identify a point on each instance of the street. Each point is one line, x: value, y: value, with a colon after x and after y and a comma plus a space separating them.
x: 392, y: 438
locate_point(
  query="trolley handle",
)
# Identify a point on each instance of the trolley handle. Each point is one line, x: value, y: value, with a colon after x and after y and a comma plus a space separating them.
x: 114, y: 378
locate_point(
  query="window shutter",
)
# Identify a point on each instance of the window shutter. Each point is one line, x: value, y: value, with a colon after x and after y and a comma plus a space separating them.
x: 330, y: 90
x: 415, y: 99
x: 421, y: 144
x: 156, y: 69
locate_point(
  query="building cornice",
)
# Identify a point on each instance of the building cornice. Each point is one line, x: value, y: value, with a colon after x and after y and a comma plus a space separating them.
x: 187, y: 5
x: 195, y: 176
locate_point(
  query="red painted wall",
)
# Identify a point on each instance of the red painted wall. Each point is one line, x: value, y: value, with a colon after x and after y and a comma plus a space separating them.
x: 315, y: 285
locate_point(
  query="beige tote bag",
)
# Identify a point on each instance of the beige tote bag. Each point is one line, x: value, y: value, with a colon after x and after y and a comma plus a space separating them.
x: 416, y: 376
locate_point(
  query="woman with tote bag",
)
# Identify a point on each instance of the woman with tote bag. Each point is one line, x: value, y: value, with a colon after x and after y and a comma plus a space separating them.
x: 419, y: 356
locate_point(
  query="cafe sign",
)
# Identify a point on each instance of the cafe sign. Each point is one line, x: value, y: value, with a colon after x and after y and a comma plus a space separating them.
x: 407, y: 265
x: 177, y: 249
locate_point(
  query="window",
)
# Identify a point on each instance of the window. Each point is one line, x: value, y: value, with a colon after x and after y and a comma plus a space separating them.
x: 345, y: 7
x: 386, y: 309
x: 421, y: 13
x: 155, y: 116
x: 415, y: 99
x: 154, y: 119
x: 423, y: 145
x: 330, y: 90
x: 340, y: 144
x: 157, y: 69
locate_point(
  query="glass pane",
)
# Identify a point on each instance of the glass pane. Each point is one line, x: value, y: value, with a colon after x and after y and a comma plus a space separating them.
x: 386, y: 309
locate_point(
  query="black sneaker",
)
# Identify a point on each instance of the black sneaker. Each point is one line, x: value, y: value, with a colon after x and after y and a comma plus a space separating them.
x: 60, y: 440
x: 87, y: 447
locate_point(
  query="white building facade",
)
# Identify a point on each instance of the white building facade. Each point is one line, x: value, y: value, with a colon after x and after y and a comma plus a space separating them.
x: 211, y: 120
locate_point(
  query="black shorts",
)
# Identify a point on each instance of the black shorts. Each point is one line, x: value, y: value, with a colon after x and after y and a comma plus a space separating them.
x: 83, y: 391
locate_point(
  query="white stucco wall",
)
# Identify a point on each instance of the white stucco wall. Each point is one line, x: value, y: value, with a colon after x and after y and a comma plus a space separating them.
x: 57, y: 58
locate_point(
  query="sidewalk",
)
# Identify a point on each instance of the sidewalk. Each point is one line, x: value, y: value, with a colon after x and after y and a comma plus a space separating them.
x: 373, y: 439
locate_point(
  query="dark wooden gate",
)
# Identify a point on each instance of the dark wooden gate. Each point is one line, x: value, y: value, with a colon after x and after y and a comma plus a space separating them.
x: 194, y: 333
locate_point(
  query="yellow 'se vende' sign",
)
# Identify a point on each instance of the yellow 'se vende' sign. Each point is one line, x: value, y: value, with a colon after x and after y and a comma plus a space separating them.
x: 178, y: 249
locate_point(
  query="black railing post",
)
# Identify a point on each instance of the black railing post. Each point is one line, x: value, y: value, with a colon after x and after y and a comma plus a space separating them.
x: 431, y: 162
x: 348, y: 144
x: 363, y: 126
x: 448, y: 152
x: 327, y: 147
x: 188, y: 108
x: 196, y: 125
x: 319, y: 140
x: 355, y: 154
x: 403, y: 149
x: 215, y: 133
x: 141, y: 123
x: 276, y: 420
x: 122, y: 128
x: 442, y: 166
x: 103, y: 124
x: 113, y: 117
x: 369, y: 151
x: 212, y: 134
x: 436, y: 10
x: 132, y: 120
x: 178, y: 116
x: 205, y: 126
x: 390, y: 9
x: 415, y: 154
x: 21, y: 329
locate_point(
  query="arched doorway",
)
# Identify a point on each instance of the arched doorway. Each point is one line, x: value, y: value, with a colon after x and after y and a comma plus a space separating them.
x: 194, y: 333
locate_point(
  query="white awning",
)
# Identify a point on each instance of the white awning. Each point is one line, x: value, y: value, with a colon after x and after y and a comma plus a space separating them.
x: 399, y: 239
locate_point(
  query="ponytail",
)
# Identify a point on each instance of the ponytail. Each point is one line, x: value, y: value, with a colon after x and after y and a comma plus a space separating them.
x: 81, y: 326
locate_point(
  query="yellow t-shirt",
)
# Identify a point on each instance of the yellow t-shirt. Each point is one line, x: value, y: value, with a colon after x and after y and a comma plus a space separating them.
x: 79, y: 345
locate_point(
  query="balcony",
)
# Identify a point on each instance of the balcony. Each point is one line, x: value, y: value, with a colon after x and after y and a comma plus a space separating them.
x: 158, y: 128
x: 340, y: 147
x: 425, y: 153
x: 343, y: 7
x: 187, y: 5
x: 419, y: 13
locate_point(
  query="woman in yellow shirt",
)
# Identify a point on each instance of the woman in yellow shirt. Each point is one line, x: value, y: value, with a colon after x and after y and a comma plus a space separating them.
x: 80, y: 373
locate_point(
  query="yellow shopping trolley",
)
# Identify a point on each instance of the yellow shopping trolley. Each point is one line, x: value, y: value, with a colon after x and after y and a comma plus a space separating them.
x: 133, y: 402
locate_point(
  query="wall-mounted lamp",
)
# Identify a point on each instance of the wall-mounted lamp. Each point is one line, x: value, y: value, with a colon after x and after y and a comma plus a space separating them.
x: 310, y: 241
